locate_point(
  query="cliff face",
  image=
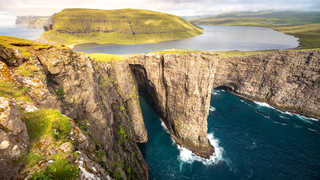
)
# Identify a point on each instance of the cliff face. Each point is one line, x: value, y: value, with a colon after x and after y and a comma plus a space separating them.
x: 288, y: 80
x: 179, y: 86
x: 37, y: 22
x: 93, y: 107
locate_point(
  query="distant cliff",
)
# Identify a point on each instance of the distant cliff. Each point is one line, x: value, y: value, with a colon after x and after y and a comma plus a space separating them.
x: 63, y: 110
x: 38, y: 22
x: 124, y: 26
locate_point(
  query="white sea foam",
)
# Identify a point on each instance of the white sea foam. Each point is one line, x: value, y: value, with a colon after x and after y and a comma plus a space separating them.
x: 164, y: 126
x: 264, y: 104
x: 304, y: 118
x: 188, y: 157
x: 212, y: 108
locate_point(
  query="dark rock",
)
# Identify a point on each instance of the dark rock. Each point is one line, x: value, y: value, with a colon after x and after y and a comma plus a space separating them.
x: 14, y: 139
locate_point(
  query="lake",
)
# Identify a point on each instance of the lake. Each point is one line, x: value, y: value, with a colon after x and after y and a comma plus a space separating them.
x: 213, y: 38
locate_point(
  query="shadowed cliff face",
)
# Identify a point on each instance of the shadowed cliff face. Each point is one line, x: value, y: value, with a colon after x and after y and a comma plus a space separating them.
x: 179, y: 86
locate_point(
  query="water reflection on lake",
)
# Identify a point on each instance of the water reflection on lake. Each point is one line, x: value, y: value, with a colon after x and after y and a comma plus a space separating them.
x: 214, y: 38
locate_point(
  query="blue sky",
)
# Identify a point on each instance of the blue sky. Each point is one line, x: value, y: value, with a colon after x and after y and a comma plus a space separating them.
x: 178, y: 7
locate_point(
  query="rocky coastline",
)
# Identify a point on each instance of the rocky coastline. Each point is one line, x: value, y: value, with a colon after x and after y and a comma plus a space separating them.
x: 96, y: 103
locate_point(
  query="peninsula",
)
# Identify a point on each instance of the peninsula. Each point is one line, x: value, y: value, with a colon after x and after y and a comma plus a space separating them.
x: 123, y: 26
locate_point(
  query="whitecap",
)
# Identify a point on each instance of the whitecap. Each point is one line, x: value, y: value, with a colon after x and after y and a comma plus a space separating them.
x: 188, y: 157
x: 263, y: 104
x: 303, y: 118
x: 312, y: 130
x: 282, y: 124
x: 164, y: 126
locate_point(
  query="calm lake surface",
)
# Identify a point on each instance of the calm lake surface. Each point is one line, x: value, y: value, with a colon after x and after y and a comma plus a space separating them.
x: 252, y: 140
x: 213, y: 38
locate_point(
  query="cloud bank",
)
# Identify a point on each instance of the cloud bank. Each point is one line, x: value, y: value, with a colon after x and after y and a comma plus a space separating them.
x: 178, y: 7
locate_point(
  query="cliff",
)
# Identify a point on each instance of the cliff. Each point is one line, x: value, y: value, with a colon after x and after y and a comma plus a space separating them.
x: 37, y: 22
x: 179, y: 86
x: 69, y: 113
x: 124, y: 26
x: 288, y: 80
x: 64, y: 110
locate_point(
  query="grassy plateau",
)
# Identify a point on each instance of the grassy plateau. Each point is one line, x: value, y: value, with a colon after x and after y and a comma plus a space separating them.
x: 123, y: 26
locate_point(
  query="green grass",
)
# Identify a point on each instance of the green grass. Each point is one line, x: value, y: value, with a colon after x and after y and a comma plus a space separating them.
x: 60, y: 169
x: 9, y: 90
x: 124, y: 26
x: 47, y: 123
x: 309, y: 34
x: 304, y: 25
x: 47, y: 129
x: 24, y: 46
x: 100, y: 57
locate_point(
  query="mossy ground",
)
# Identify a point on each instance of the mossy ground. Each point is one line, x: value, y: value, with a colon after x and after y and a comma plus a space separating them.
x: 9, y: 90
x: 47, y: 129
x: 124, y: 26
x: 26, y: 47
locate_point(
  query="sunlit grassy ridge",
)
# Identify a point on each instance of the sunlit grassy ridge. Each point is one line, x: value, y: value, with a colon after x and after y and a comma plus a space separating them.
x: 124, y: 26
x: 304, y: 25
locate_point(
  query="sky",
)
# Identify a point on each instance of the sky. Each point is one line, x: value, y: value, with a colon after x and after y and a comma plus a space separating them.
x: 178, y: 7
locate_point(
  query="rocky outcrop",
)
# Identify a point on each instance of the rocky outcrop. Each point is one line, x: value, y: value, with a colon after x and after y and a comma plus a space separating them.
x: 100, y: 100
x: 14, y: 139
x: 179, y: 86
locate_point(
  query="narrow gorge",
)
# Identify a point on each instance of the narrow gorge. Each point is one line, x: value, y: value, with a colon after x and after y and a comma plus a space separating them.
x: 99, y: 102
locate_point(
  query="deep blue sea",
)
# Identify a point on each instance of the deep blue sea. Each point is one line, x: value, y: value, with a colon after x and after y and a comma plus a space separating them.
x: 20, y: 32
x: 252, y: 140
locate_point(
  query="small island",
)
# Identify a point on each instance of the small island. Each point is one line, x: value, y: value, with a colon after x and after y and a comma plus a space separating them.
x: 124, y: 26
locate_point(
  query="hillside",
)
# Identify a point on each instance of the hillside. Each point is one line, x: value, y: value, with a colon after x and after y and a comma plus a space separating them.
x: 124, y: 26
x: 304, y: 25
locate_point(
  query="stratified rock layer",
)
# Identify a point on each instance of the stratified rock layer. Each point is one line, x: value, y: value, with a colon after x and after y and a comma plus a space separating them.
x: 179, y: 86
x: 288, y: 80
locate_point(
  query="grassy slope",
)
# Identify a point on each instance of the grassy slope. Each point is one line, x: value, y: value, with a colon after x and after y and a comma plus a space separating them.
x: 124, y: 26
x: 304, y: 25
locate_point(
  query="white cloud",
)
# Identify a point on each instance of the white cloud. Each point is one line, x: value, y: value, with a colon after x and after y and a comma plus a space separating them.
x: 179, y: 7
